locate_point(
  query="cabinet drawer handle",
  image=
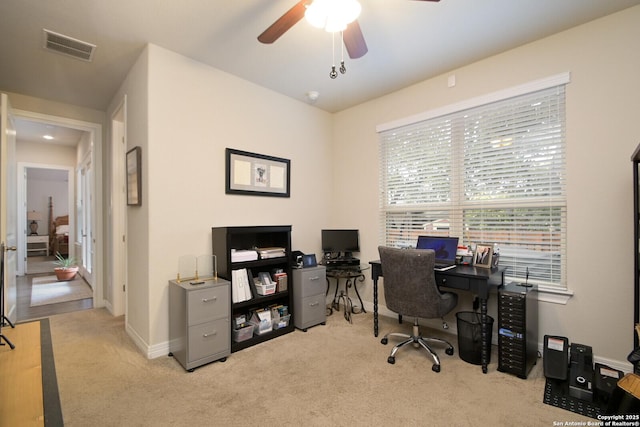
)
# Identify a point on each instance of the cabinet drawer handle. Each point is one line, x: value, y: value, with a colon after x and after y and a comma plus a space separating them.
x: 210, y: 334
x: 314, y: 278
x: 209, y: 299
x: 313, y: 304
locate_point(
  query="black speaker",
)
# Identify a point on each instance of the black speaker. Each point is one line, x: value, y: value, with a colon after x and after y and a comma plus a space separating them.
x: 555, y: 357
x: 581, y: 372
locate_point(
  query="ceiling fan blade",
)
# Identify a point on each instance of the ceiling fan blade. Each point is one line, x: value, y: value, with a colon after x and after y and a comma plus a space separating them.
x: 354, y: 41
x: 284, y: 23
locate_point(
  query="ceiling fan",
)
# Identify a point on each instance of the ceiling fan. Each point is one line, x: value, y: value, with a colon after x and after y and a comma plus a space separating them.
x: 352, y: 35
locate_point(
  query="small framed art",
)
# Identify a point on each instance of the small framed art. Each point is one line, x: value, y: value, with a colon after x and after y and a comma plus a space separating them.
x: 483, y: 255
x: 134, y: 181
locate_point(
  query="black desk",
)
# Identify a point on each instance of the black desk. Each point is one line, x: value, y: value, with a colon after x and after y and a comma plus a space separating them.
x: 462, y: 277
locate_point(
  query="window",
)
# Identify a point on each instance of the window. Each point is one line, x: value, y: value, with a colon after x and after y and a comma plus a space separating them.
x: 493, y: 172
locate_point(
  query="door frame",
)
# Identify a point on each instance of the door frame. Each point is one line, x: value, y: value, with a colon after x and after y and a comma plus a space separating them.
x: 95, y: 132
x: 22, y: 208
x: 116, y: 263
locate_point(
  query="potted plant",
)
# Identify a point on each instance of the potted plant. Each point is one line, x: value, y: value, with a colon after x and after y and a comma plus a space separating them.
x: 66, y: 267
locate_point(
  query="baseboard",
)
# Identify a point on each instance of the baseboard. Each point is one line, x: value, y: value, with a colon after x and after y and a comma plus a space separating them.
x: 621, y: 365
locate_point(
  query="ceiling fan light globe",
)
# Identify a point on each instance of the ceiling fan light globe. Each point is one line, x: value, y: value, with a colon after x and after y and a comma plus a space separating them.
x: 315, y: 15
x: 333, y: 25
x: 332, y: 15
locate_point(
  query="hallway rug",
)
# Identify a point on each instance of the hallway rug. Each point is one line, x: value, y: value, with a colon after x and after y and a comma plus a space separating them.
x: 29, y: 394
x: 47, y: 290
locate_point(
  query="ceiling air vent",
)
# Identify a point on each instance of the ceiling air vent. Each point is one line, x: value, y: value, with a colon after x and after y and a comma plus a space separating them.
x: 69, y: 46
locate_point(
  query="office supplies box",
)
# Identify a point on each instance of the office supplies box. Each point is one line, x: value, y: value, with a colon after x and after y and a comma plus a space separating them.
x: 281, y: 322
x: 243, y: 333
x: 261, y: 321
x: 281, y: 281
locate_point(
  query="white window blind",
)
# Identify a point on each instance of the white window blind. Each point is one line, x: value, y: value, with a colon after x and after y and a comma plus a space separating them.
x: 494, y: 173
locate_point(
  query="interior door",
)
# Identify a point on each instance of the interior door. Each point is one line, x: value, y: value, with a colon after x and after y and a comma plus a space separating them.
x: 8, y: 201
x: 85, y: 220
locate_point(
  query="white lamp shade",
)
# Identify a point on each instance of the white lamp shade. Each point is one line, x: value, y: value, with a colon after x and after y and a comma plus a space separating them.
x: 34, y: 216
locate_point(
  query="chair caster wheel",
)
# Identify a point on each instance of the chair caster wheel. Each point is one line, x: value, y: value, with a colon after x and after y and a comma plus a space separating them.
x: 449, y: 351
x: 391, y: 360
x: 224, y: 359
x: 435, y: 368
x: 384, y: 341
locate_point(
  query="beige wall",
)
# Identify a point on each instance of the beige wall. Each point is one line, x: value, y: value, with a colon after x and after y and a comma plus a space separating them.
x: 603, y: 107
x: 183, y: 150
x: 183, y: 114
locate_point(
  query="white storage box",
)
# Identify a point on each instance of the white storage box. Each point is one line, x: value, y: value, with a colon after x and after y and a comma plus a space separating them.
x: 266, y: 289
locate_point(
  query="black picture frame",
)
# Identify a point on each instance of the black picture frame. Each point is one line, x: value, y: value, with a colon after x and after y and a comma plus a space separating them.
x: 255, y: 174
x: 134, y: 178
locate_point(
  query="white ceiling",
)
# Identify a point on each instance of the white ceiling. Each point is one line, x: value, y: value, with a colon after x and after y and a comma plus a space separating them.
x: 409, y: 41
x: 33, y: 131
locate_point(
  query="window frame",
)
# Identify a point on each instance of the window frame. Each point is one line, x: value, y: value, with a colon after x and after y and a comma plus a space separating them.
x: 459, y: 205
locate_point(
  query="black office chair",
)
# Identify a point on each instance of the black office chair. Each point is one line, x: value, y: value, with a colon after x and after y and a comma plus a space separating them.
x: 410, y: 290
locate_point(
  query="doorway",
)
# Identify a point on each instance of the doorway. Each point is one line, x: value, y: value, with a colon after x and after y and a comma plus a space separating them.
x: 84, y: 188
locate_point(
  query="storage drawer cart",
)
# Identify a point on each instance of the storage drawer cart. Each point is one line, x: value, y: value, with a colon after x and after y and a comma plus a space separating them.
x: 309, y: 297
x: 199, y: 322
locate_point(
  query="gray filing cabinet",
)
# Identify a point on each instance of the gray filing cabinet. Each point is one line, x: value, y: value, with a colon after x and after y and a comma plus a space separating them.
x: 199, y: 322
x: 309, y: 297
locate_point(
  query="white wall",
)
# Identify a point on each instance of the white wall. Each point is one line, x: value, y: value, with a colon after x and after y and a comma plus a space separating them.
x: 603, y: 107
x: 193, y: 112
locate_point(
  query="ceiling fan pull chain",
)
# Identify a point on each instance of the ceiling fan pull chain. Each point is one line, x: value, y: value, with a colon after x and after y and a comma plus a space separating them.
x: 343, y: 69
x: 333, y: 74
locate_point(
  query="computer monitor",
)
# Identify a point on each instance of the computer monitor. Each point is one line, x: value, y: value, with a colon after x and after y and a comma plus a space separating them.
x: 444, y: 247
x: 345, y: 241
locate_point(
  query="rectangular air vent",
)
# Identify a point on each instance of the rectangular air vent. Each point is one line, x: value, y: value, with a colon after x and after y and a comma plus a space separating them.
x: 69, y: 46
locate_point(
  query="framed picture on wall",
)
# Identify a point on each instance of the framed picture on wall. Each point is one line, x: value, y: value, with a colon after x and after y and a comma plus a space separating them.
x: 257, y: 174
x: 134, y: 182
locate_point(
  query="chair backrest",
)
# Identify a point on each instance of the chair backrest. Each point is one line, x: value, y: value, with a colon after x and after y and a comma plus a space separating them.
x: 410, y: 287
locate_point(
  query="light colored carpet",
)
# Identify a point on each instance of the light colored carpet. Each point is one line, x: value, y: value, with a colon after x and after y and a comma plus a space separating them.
x: 333, y: 375
x: 47, y: 290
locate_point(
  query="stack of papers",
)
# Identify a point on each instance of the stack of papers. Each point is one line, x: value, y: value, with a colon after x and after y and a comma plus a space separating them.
x: 275, y: 252
x: 239, y: 255
x: 240, y: 289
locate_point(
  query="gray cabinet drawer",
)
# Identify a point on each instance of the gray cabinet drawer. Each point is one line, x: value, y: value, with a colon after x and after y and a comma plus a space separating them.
x: 208, y: 304
x: 313, y: 282
x: 208, y: 339
x: 312, y: 312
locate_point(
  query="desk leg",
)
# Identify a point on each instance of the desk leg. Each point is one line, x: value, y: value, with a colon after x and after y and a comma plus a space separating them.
x: 336, y: 302
x: 375, y: 307
x: 355, y: 281
x: 484, y: 334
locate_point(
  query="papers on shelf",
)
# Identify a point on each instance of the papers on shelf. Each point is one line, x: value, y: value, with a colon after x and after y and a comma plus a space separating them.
x: 274, y: 252
x: 240, y: 289
x: 241, y: 255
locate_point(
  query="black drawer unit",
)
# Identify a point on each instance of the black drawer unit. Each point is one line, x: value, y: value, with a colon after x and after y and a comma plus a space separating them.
x: 517, y: 329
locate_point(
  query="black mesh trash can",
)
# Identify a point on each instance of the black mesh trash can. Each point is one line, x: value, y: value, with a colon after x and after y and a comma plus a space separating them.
x: 470, y: 336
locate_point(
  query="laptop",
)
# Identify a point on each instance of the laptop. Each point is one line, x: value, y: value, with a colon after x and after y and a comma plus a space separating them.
x: 444, y: 247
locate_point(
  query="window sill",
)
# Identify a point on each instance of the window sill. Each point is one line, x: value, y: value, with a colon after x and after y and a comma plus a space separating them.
x: 554, y: 296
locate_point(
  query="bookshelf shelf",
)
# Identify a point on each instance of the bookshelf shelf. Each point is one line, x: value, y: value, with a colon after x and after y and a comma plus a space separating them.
x: 226, y: 239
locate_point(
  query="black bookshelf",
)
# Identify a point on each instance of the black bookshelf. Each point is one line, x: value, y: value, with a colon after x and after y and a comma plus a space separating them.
x: 224, y: 239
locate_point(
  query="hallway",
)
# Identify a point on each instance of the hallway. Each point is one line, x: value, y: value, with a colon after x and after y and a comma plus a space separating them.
x: 24, y: 284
